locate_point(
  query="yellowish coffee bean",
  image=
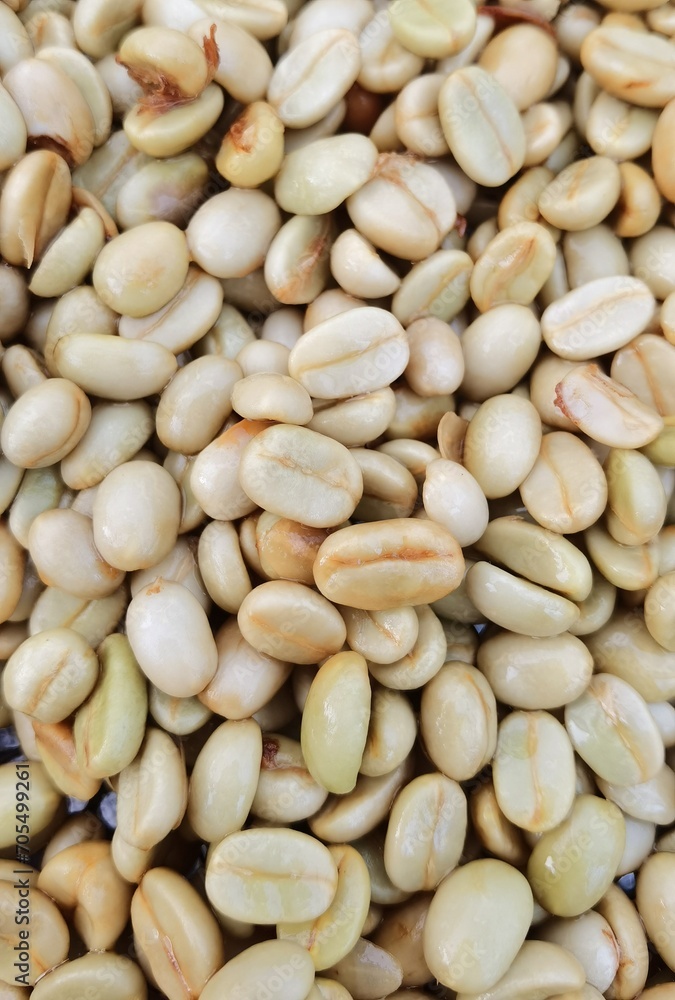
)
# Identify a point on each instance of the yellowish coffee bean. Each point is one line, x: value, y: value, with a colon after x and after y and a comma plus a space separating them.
x: 629, y: 934
x: 429, y: 297
x: 496, y: 833
x: 158, y: 911
x: 566, y: 490
x: 511, y: 335
x: 224, y: 780
x: 50, y: 675
x: 623, y: 646
x: 502, y: 57
x: 425, y: 833
x: 513, y: 267
x: 287, y: 549
x: 391, y: 733
x: 659, y: 611
x: 483, y: 905
x: 535, y: 673
x: 386, y: 64
x: 389, y: 490
x: 331, y: 937
x: 424, y: 660
x: 113, y: 367
x: 292, y: 622
x: 61, y: 545
x: 175, y: 129
x: 655, y: 903
x: 501, y: 444
x: 114, y: 977
x: 572, y: 866
x: 115, y: 434
x: 540, y: 967
x: 271, y: 874
x: 482, y: 126
x: 313, y: 76
x: 458, y: 721
x: 335, y: 722
x: 318, y: 177
x: 652, y: 801
x: 215, y: 475
x: 384, y: 564
x: 612, y: 730
x: 637, y: 501
x: 45, y: 804
x: 358, y: 268
x: 151, y: 792
x: 582, y: 195
x: 433, y: 30
x: 266, y: 962
x: 49, y: 940
x: 517, y: 604
x: 533, y: 771
x: 631, y: 567
x: 400, y: 933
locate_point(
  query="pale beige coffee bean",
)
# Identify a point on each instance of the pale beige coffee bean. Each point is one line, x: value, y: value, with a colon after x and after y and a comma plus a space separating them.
x: 357, y: 420
x: 533, y: 673
x: 214, y: 478
x: 640, y: 842
x: 601, y: 316
x: 545, y: 375
x: 358, y: 268
x: 260, y: 356
x: 267, y: 962
x: 297, y: 263
x: 175, y: 130
x: 540, y: 969
x: 55, y: 747
x: 224, y: 780
x: 162, y: 190
x: 136, y: 540
x: 424, y: 660
x: 271, y: 396
x: 414, y: 455
x: 253, y: 149
x: 34, y: 205
x: 425, y: 833
x: 637, y: 500
x: 494, y: 831
x: 639, y: 204
x: 596, y: 609
x: 511, y: 336
x: 164, y: 58
x: 433, y: 30
x: 335, y: 722
x: 49, y: 940
x: 646, y: 367
x: 271, y: 874
x: 113, y: 977
x: 45, y: 424
x: 78, y: 829
x: 196, y: 403
x: 458, y: 721
x: 651, y: 258
x: 502, y: 443
x: 624, y: 646
x: 482, y: 126
x: 629, y: 934
x: 619, y: 130
x: 655, y: 903
x: 483, y: 909
x: 593, y: 253
x: 652, y: 801
x: 360, y: 351
x: 566, y: 490
x: 231, y: 233
x: 630, y: 567
x: 286, y: 791
x: 612, y: 730
x: 347, y: 817
x: 151, y: 792
x: 391, y: 733
x: 385, y: 564
x: 637, y: 67
x: 533, y: 771
x: 333, y: 935
x: 113, y: 367
x: 659, y: 611
x: 367, y: 971
x: 582, y: 194
x: 61, y: 545
x: 244, y: 68
x: 605, y: 410
x: 665, y: 720
x: 158, y: 910
x: 502, y: 57
x: 92, y: 619
x: 437, y: 287
x: 45, y: 807
x: 389, y: 490
x: 381, y: 636
x: 568, y: 878
x: 291, y: 622
x: 545, y: 124
x: 517, y: 604
x: 453, y: 498
x: 128, y: 276
x: 83, y: 880
x: 405, y: 209
x: 171, y: 639
x: 296, y: 472
x: 318, y: 177
x: 180, y: 716
x: 68, y: 260
x: 50, y: 675
x: 115, y: 434
x: 416, y: 116
x: 400, y: 933
x: 313, y: 76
